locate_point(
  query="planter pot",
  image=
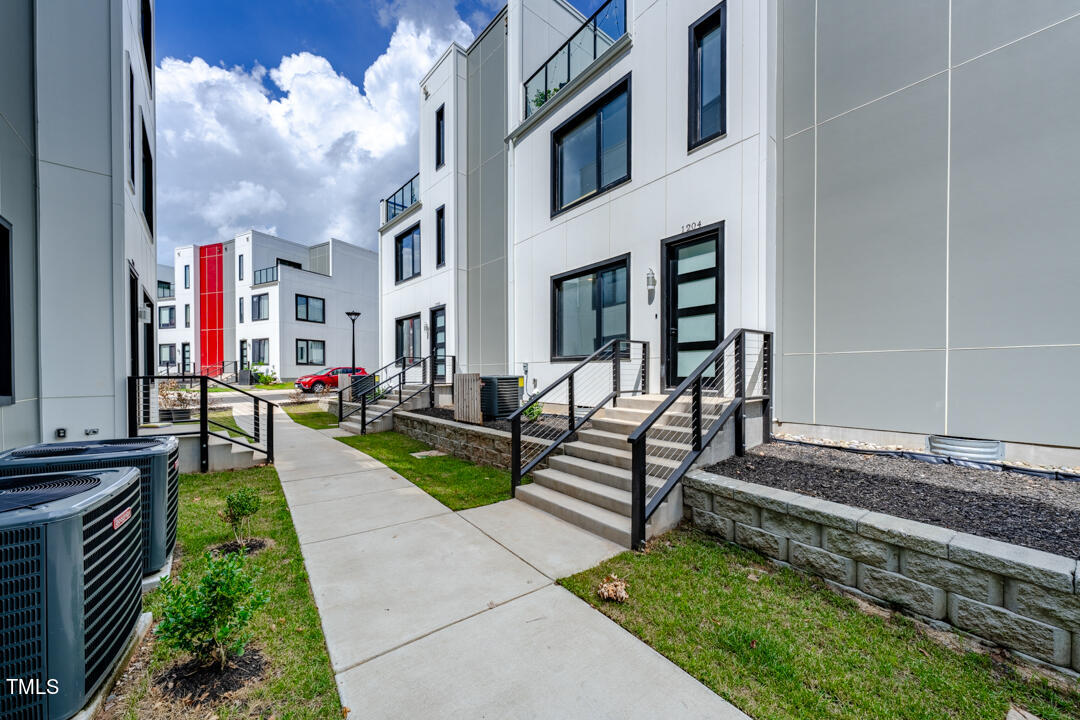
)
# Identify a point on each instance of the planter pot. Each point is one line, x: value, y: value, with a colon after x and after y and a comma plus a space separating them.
x: 175, y: 414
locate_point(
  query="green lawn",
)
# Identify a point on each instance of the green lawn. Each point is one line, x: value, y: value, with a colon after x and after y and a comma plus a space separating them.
x: 311, y: 415
x: 780, y: 645
x: 299, y: 682
x: 456, y: 483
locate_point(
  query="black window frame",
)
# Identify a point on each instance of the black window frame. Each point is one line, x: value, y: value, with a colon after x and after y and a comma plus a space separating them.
x: 593, y: 269
x: 187, y: 315
x: 307, y: 304
x: 717, y: 17
x: 241, y: 308
x: 623, y: 84
x: 440, y: 236
x: 240, y: 266
x: 262, y: 304
x: 167, y: 287
x: 308, y: 343
x: 256, y: 343
x: 131, y: 124
x: 187, y: 277
x: 7, y: 312
x: 399, y: 337
x: 146, y: 36
x: 172, y: 317
x: 147, y: 181
x: 440, y: 137
x: 417, y: 265
x: 172, y: 354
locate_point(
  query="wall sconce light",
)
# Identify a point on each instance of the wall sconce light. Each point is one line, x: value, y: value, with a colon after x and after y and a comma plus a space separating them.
x: 650, y: 284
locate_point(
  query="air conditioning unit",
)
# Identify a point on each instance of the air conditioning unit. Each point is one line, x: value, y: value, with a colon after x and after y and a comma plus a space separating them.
x: 500, y: 395
x: 70, y: 586
x: 158, y: 462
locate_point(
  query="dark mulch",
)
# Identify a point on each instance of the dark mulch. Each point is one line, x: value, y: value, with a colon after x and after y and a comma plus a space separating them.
x: 1038, y: 514
x: 252, y: 546
x: 195, y: 683
x: 546, y: 426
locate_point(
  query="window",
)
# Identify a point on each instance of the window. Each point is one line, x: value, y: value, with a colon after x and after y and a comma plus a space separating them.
x: 147, y: 182
x: 240, y: 260
x: 591, y: 151
x: 440, y: 236
x: 260, y: 351
x: 407, y: 254
x: 241, y: 318
x: 187, y: 277
x: 290, y: 263
x: 147, y: 19
x: 310, y: 352
x: 440, y: 137
x: 164, y: 289
x: 7, y: 312
x: 260, y: 307
x: 707, y: 113
x: 187, y: 315
x: 310, y: 309
x: 590, y: 306
x: 166, y: 354
x: 166, y: 316
x: 131, y: 126
x: 407, y: 337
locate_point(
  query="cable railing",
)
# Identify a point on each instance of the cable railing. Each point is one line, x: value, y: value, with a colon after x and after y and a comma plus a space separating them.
x: 671, y: 439
x: 399, y: 382
x: 552, y: 416
x: 182, y: 405
x: 403, y: 198
x: 603, y: 28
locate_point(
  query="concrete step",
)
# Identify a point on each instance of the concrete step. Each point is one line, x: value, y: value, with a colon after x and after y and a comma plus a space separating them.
x: 600, y: 472
x: 609, y: 455
x: 617, y: 441
x: 597, y: 520
x: 594, y: 493
x: 679, y: 433
x: 647, y: 403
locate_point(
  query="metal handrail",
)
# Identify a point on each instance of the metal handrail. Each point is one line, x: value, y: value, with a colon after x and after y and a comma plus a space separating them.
x: 643, y: 507
x: 395, y: 207
x: 403, y: 364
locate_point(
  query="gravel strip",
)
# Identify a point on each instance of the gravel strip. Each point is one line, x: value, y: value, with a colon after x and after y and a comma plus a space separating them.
x: 1021, y: 509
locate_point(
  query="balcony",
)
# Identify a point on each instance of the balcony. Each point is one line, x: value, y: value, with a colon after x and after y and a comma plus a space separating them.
x: 165, y: 291
x: 404, y: 198
x: 264, y: 276
x: 599, y: 32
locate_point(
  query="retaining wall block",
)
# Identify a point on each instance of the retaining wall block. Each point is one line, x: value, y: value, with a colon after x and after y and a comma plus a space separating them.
x: 1033, y: 566
x: 895, y: 588
x: 764, y: 542
x: 791, y: 527
x: 967, y: 581
x: 1076, y: 651
x: 718, y: 485
x: 864, y: 550
x: 1048, y: 606
x: 927, y: 539
x: 1037, y: 639
x: 825, y: 512
x: 713, y: 523
x: 762, y: 496
x: 740, y: 512
x: 822, y: 562
x: 697, y: 499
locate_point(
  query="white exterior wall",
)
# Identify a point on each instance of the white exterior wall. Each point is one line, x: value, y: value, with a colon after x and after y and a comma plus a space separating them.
x: 181, y: 296
x: 445, y: 187
x: 728, y: 180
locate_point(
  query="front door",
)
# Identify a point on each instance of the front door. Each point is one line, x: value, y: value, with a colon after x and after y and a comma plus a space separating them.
x: 243, y: 355
x: 438, y: 342
x: 693, y: 303
x: 185, y: 358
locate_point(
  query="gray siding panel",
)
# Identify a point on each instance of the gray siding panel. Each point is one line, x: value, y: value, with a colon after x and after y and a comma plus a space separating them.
x: 796, y: 402
x: 16, y: 59
x: 982, y: 25
x: 797, y: 313
x: 798, y: 58
x: 1014, y: 248
x: 881, y: 224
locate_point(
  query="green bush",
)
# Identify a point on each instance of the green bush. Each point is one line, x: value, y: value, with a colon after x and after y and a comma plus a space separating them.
x: 208, y: 617
x: 264, y: 374
x: 240, y: 506
x: 533, y: 412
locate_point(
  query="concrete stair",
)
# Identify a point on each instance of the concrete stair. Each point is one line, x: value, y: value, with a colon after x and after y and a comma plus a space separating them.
x: 224, y: 455
x: 383, y: 409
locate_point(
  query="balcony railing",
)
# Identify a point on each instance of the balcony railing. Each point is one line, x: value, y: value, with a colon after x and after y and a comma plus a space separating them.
x: 599, y: 32
x: 266, y: 275
x: 165, y: 293
x: 403, y: 198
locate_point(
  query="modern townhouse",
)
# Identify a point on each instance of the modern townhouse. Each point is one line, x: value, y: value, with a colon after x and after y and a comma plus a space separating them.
x: 176, y: 322
x: 77, y: 215
x: 261, y: 300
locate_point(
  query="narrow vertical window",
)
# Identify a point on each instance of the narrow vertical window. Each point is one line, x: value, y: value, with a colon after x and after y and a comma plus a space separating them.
x: 187, y: 315
x: 241, y: 261
x: 707, y: 111
x: 131, y: 126
x: 440, y: 236
x: 187, y: 277
x: 147, y: 182
x: 7, y: 306
x: 241, y: 309
x: 147, y: 17
x: 440, y: 137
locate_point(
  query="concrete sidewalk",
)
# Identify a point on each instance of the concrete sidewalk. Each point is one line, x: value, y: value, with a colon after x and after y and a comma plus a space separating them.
x: 432, y: 613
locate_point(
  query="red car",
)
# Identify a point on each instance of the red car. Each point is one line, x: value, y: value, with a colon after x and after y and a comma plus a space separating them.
x: 325, y: 378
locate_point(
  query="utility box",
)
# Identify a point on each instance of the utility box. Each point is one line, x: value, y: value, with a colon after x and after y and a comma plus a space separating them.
x: 500, y: 395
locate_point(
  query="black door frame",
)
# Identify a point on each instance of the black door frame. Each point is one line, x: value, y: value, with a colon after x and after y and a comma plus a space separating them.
x: 431, y: 340
x: 667, y: 314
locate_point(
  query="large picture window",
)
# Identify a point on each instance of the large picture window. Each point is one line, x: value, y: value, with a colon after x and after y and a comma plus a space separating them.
x: 440, y: 236
x: 590, y: 306
x: 310, y: 309
x: 310, y: 352
x: 166, y: 316
x: 407, y: 254
x: 407, y: 337
x: 166, y: 354
x: 440, y: 137
x: 707, y: 114
x: 591, y: 151
x: 260, y: 307
x: 147, y: 182
x: 260, y: 351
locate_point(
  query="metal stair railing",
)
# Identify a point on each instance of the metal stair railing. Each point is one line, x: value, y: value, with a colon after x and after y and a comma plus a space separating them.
x: 671, y: 439
x: 421, y: 373
x: 619, y: 367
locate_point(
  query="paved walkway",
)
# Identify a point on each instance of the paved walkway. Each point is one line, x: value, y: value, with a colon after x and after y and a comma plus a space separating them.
x: 432, y: 613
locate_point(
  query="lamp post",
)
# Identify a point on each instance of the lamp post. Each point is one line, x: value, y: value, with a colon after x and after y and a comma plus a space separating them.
x: 352, y: 315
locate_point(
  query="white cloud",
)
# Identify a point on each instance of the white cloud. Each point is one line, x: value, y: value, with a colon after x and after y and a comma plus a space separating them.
x: 308, y: 161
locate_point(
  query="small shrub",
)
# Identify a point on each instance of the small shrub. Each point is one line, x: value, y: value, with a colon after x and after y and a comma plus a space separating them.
x: 239, y: 507
x: 264, y: 374
x: 533, y: 412
x: 208, y: 616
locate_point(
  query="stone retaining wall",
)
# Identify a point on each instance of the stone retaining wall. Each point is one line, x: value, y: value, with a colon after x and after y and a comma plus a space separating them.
x: 474, y: 443
x: 1022, y: 599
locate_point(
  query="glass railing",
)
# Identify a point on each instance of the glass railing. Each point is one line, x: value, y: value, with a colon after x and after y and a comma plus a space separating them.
x: 404, y: 198
x: 165, y: 292
x: 599, y: 32
x: 266, y: 275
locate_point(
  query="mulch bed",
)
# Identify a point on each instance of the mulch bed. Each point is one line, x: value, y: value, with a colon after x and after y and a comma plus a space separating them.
x: 546, y: 426
x: 1021, y: 509
x: 195, y: 683
x: 252, y: 546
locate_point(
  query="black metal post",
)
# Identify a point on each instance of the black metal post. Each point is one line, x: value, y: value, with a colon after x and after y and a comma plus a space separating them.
x: 431, y: 377
x: 204, y: 428
x: 767, y: 388
x: 353, y: 315
x: 270, y: 433
x: 695, y: 413
x: 255, y: 415
x: 645, y: 368
x: 454, y: 358
x: 133, y: 406
x: 340, y: 406
x: 571, y: 413
x: 515, y: 455
x: 401, y: 383
x: 740, y: 394
x: 637, y: 490
x: 363, y: 414
x: 615, y: 381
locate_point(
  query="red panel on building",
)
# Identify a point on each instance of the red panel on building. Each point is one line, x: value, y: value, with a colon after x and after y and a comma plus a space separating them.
x: 211, y: 308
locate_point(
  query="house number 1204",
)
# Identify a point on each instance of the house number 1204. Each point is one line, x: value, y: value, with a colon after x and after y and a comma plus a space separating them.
x: 692, y: 226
